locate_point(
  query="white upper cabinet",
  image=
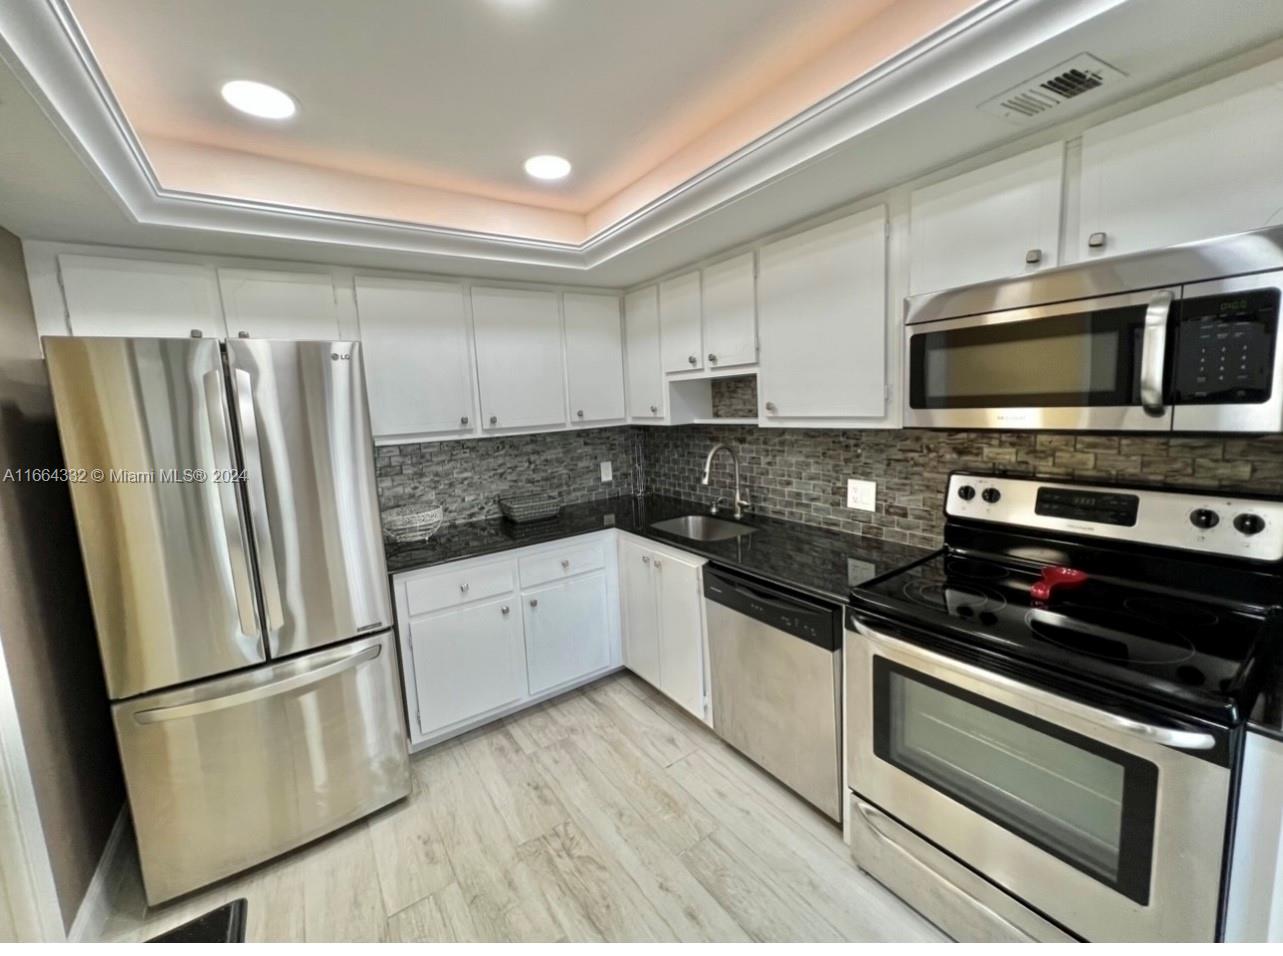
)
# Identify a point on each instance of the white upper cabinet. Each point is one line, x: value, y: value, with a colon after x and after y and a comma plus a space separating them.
x: 594, y: 357
x: 1199, y: 165
x: 730, y: 313
x: 519, y: 358
x: 107, y: 296
x: 645, y: 376
x: 418, y: 364
x: 680, y: 325
x: 279, y: 305
x: 822, y: 301
x: 996, y: 221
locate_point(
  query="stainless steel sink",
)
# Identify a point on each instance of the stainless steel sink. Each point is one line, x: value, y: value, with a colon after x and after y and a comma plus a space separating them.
x: 703, y: 528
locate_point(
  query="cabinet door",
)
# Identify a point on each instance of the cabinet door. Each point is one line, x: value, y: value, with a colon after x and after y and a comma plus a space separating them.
x: 680, y: 325
x: 1199, y: 165
x: 466, y: 663
x: 641, y: 333
x: 987, y: 223
x: 823, y: 315
x: 594, y: 357
x: 730, y: 314
x: 641, y: 611
x: 134, y: 297
x: 519, y: 360
x: 418, y: 367
x: 278, y: 305
x: 567, y: 631
x: 681, y: 632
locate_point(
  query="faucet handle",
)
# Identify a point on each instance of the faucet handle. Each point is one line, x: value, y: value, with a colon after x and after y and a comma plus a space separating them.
x: 717, y: 505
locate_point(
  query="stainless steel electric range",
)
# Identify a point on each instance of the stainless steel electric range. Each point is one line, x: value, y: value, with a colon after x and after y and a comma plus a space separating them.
x: 1044, y: 719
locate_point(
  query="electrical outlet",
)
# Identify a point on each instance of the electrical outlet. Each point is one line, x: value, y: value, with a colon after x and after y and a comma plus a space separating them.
x: 607, y: 473
x: 862, y: 495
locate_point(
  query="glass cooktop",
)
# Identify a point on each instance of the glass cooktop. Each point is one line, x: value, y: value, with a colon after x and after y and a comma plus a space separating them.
x: 1175, y: 649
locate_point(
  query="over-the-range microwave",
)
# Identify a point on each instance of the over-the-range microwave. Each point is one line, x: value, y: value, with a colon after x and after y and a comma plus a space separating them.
x: 1180, y: 339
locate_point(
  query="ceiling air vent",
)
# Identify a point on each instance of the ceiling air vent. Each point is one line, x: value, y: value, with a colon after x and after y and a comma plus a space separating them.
x: 1029, y: 101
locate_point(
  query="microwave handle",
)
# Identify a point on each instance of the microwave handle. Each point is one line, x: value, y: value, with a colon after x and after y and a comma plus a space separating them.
x: 1153, y: 352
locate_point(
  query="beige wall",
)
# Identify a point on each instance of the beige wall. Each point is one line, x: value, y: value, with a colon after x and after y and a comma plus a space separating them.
x: 45, y: 622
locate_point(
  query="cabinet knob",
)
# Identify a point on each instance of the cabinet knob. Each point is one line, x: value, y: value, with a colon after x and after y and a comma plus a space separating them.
x: 1033, y: 257
x: 770, y: 407
x: 463, y: 588
x: 712, y: 357
x: 580, y: 413
x: 242, y: 334
x: 692, y: 359
x: 565, y: 564
x: 463, y: 420
x: 197, y: 334
x: 658, y: 564
x: 504, y: 609
x: 645, y: 559
x: 534, y: 602
x: 494, y: 419
x: 1096, y: 240
x: 654, y: 409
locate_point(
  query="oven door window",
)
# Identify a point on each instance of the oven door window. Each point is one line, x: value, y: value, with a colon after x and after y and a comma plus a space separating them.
x: 1088, y: 804
x: 1076, y: 360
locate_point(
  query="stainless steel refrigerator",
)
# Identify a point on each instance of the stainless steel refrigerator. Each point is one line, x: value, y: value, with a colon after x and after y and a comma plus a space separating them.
x: 225, y: 499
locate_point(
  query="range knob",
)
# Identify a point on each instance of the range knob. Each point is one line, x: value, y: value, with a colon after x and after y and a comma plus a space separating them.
x: 991, y: 495
x: 1249, y: 523
x: 1204, y: 518
x: 966, y: 492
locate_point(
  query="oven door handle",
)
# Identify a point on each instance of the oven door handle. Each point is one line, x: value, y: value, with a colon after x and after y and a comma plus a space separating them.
x: 1151, y: 733
x: 1153, y: 352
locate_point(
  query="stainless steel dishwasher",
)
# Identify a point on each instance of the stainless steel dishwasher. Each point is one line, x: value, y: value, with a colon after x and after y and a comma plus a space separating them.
x: 776, y: 663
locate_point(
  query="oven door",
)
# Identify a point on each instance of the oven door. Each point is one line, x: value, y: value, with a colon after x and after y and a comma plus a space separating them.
x: 1089, y: 364
x: 1113, y: 828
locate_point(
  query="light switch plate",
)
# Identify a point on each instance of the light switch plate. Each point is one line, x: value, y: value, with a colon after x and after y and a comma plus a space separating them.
x: 862, y: 495
x: 607, y: 473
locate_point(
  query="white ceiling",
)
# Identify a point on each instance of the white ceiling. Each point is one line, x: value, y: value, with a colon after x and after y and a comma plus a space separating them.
x: 52, y: 186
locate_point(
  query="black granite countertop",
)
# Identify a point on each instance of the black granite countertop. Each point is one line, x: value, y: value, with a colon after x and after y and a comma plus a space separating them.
x: 813, y: 560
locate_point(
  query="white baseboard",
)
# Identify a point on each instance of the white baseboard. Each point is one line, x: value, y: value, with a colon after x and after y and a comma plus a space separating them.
x: 95, y: 909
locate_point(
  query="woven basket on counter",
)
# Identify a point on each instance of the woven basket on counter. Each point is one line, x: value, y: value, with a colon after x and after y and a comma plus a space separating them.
x: 530, y: 505
x: 416, y: 525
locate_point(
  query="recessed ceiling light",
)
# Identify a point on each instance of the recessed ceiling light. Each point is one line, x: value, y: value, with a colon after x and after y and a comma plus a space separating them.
x: 259, y: 99
x: 547, y: 167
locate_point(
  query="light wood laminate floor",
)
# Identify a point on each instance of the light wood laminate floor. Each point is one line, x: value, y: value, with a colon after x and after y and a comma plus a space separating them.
x: 606, y: 814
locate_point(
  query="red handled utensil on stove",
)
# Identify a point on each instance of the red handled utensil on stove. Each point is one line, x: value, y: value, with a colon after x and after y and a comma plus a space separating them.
x: 1055, y: 578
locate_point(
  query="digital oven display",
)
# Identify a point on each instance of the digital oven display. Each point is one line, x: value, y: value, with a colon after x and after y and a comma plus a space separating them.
x: 1099, y: 507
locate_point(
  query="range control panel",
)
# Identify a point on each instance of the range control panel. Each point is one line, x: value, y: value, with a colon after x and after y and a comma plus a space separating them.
x: 1249, y: 528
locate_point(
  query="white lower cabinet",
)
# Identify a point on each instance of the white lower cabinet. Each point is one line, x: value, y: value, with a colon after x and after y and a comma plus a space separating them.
x: 484, y: 637
x: 663, y: 621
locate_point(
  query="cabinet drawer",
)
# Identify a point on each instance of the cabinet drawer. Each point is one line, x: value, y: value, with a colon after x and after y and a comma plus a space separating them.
x: 562, y: 563
x: 451, y: 588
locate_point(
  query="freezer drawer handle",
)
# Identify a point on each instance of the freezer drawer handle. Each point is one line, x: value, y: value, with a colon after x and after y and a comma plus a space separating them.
x: 274, y: 689
x: 229, y: 498
x: 248, y: 418
x: 1152, y: 733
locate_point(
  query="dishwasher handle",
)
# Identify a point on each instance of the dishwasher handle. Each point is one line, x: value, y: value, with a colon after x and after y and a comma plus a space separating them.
x: 811, y: 620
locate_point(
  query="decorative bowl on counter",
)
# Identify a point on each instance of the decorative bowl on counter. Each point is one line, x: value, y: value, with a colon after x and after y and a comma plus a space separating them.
x: 412, y: 525
x: 530, y: 505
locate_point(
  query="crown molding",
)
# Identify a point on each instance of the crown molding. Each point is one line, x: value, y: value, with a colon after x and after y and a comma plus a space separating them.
x: 41, y: 41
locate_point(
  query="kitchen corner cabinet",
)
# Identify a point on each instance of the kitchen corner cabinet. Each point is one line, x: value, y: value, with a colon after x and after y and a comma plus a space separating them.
x: 641, y: 336
x: 663, y: 621
x: 1195, y: 166
x: 519, y: 358
x: 680, y: 324
x: 484, y: 637
x: 259, y: 304
x: 418, y: 360
x: 594, y: 357
x: 730, y: 313
x: 116, y: 296
x: 1000, y: 220
x: 822, y: 308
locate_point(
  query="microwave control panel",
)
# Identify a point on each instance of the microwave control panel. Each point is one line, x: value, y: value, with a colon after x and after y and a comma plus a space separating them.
x: 1225, y: 348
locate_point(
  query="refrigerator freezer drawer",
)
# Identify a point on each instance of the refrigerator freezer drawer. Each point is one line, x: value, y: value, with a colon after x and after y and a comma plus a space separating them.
x: 229, y: 773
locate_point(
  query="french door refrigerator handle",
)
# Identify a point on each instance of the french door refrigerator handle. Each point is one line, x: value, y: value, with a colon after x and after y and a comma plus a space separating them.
x: 230, y: 500
x: 1153, y: 352
x: 257, y: 493
x: 272, y: 689
x: 1151, y: 733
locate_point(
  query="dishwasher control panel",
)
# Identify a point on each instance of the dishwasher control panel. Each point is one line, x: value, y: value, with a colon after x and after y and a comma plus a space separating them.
x: 776, y: 607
